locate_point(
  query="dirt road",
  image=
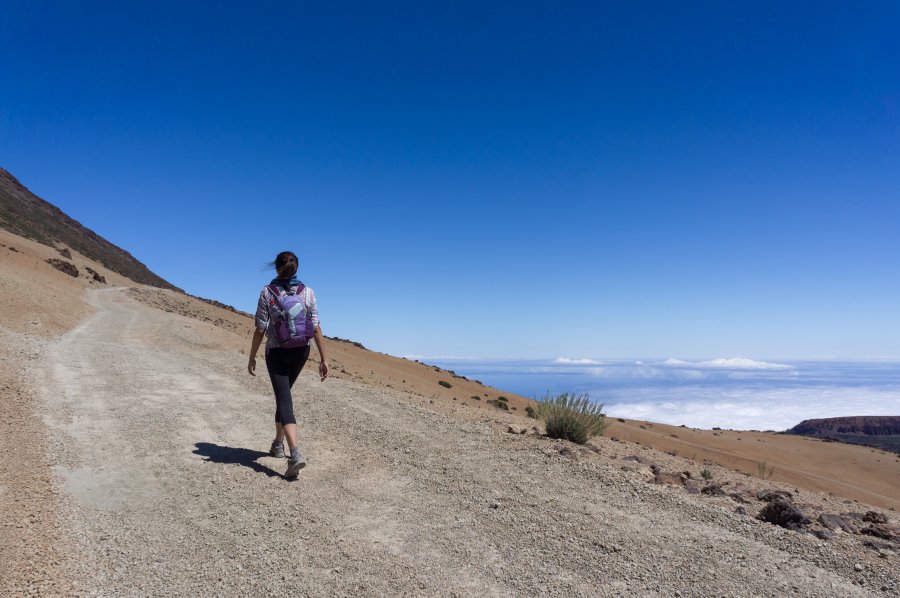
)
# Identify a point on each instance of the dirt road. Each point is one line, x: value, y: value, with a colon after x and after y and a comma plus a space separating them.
x: 159, y: 440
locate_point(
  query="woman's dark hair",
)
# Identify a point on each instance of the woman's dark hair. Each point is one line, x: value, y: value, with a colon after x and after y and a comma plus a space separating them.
x: 285, y: 264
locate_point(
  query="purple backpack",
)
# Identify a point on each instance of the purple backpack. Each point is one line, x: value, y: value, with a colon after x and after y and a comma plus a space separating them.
x: 292, y: 327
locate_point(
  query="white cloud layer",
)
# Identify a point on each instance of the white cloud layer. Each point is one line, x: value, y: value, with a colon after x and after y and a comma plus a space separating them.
x: 750, y: 409
x: 568, y: 361
x: 436, y: 357
x: 734, y: 363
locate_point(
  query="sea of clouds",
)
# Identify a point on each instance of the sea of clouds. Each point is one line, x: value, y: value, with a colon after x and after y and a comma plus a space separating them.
x: 737, y: 393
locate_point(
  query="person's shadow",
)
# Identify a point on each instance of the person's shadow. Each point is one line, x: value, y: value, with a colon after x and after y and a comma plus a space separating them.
x: 228, y: 455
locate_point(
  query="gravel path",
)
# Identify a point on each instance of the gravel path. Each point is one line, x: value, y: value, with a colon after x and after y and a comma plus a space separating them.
x: 160, y: 437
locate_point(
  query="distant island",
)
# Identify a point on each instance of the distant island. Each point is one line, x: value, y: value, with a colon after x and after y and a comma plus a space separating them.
x: 879, y: 431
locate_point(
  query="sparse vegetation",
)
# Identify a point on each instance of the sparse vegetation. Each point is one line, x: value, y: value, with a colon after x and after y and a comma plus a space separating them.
x: 503, y: 399
x: 763, y: 473
x: 530, y: 412
x: 445, y: 384
x: 572, y: 417
x: 706, y: 474
x: 499, y: 404
x: 475, y: 398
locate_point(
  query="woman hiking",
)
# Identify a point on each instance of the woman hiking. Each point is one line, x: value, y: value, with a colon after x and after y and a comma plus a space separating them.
x: 287, y: 315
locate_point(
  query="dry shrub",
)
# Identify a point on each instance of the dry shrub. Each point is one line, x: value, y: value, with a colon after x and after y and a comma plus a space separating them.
x: 572, y: 417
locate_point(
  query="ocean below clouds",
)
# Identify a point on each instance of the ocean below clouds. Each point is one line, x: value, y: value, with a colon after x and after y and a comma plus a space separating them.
x: 737, y: 393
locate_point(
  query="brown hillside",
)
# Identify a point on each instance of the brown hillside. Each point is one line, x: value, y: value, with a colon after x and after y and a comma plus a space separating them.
x: 388, y: 442
x: 25, y: 214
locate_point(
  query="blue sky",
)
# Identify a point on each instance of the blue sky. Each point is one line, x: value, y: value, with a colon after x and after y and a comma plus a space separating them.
x: 514, y: 179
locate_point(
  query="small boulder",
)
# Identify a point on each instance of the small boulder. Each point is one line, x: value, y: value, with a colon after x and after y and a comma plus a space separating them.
x: 823, y: 534
x: 97, y: 276
x: 516, y: 429
x: 770, y: 495
x: 565, y: 451
x: 881, y: 530
x: 665, y: 478
x: 879, y: 546
x: 783, y: 513
x: 63, y: 266
x: 838, y: 523
x: 714, y: 490
x: 692, y: 487
x: 875, y: 517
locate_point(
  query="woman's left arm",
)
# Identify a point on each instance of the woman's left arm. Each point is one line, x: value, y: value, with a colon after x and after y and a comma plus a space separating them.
x: 320, y: 345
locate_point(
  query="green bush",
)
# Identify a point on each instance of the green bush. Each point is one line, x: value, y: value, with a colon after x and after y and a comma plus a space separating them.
x: 706, y: 474
x: 530, y: 412
x: 503, y: 399
x: 572, y: 417
x: 445, y: 384
x: 475, y: 398
x: 499, y: 404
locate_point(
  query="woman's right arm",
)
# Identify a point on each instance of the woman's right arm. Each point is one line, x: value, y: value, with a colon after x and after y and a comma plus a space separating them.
x: 258, y: 336
x: 262, y: 322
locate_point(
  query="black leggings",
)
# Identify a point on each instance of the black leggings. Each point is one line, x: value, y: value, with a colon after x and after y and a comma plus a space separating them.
x: 284, y: 366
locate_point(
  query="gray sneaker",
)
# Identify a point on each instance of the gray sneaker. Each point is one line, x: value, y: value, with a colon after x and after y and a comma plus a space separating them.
x: 295, y: 464
x: 277, y: 450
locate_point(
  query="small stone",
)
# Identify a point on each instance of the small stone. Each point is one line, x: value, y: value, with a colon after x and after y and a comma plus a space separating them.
x: 495, y: 504
x: 858, y: 567
x: 823, y: 534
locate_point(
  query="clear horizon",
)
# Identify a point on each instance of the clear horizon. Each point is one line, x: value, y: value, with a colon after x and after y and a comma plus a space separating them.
x: 512, y: 180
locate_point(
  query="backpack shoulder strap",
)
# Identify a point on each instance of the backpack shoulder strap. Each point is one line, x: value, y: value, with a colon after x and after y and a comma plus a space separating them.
x: 276, y: 290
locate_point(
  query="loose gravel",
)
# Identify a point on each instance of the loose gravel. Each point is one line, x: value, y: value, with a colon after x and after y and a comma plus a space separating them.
x: 160, y: 446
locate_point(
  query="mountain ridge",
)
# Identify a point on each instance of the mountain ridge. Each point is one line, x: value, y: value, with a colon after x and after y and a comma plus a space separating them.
x: 25, y: 214
x: 881, y: 431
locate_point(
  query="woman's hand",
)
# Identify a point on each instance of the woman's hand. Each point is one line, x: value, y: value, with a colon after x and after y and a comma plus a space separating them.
x: 323, y: 370
x: 251, y: 366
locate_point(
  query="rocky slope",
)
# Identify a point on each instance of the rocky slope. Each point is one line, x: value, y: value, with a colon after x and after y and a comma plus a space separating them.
x: 27, y: 215
x: 881, y: 431
x: 403, y: 495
